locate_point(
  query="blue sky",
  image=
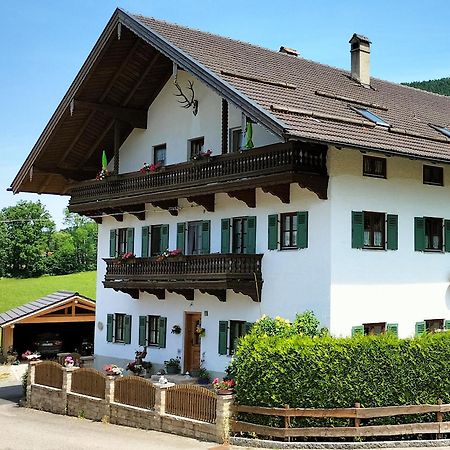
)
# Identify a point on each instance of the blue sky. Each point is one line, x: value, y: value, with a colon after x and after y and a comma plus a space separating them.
x: 44, y: 43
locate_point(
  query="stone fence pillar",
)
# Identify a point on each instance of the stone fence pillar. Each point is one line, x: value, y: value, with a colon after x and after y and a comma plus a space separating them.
x: 223, y: 416
x: 160, y: 397
x: 30, y: 380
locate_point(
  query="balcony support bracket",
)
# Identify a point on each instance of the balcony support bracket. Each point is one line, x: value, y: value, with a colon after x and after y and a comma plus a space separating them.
x: 221, y: 294
x: 282, y: 191
x: 248, y: 196
x: 160, y: 294
x: 315, y: 183
x: 133, y: 293
x: 188, y: 294
x: 207, y: 201
x: 169, y: 205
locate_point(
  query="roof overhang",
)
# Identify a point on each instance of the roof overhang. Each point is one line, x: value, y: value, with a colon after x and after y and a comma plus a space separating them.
x: 69, y: 148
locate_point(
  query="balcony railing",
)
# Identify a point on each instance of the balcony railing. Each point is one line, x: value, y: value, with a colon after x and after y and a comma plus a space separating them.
x: 271, y: 164
x: 213, y: 274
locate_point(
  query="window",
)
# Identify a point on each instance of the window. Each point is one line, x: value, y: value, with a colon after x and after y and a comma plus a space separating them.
x: 155, y: 240
x: 237, y: 330
x: 374, y: 225
x: 444, y: 130
x: 193, y: 238
x: 374, y: 167
x: 159, y: 154
x: 229, y: 334
x: 118, y: 328
x: 121, y: 241
x: 235, y: 139
x: 369, y: 329
x: 369, y: 115
x: 152, y: 331
x: 240, y: 229
x: 433, y: 175
x: 288, y: 231
x: 433, y: 234
x: 433, y: 325
x: 196, y: 146
x: 374, y: 230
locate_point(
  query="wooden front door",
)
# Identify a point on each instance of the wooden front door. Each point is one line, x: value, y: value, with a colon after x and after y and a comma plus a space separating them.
x: 191, y: 342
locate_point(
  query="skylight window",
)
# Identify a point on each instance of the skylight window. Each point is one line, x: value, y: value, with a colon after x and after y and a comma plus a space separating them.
x: 445, y: 131
x: 371, y: 116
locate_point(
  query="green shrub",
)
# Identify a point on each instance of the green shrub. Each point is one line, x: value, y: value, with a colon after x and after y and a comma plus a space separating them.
x: 280, y: 367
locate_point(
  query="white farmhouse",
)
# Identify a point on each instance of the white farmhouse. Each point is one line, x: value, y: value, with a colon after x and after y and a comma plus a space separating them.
x: 282, y: 184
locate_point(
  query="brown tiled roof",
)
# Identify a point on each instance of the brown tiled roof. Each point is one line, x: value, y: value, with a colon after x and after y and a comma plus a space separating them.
x: 314, y: 100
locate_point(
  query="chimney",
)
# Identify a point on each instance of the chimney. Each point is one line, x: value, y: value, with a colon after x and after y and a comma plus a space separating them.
x: 288, y: 51
x: 360, y: 51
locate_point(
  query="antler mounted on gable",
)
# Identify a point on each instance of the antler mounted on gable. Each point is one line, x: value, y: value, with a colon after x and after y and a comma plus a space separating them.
x: 186, y: 102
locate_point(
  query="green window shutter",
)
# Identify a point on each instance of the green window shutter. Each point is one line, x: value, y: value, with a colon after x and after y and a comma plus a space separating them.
x: 225, y: 236
x: 112, y: 244
x: 142, y: 330
x: 127, y: 329
x: 223, y: 337
x: 392, y: 232
x: 302, y: 229
x: 357, y: 229
x: 164, y: 242
x: 181, y: 236
x: 145, y: 240
x: 109, y: 327
x: 446, y: 324
x: 130, y: 240
x: 358, y: 330
x: 419, y: 234
x: 251, y: 234
x: 248, y: 327
x: 392, y: 328
x: 162, y: 332
x: 421, y: 328
x: 206, y: 237
x: 272, y: 229
x: 447, y: 235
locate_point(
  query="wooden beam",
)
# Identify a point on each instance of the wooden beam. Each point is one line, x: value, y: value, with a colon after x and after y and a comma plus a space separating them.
x: 69, y: 174
x: 169, y: 205
x: 221, y: 294
x: 60, y: 319
x: 8, y: 338
x: 207, y: 201
x: 116, y: 146
x: 137, y: 118
x: 248, y: 196
x: 224, y: 126
x: 282, y: 191
x: 133, y: 293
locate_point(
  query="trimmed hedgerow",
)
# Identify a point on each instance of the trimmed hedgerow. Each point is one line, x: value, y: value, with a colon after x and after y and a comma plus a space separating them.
x: 287, y: 368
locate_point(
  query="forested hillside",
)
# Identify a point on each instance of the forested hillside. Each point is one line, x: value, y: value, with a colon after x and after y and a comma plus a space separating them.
x: 440, y: 86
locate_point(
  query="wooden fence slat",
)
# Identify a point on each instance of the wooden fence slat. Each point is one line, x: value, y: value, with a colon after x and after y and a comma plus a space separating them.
x: 49, y: 373
x: 367, y: 431
x: 89, y: 382
x: 135, y: 391
x: 194, y: 402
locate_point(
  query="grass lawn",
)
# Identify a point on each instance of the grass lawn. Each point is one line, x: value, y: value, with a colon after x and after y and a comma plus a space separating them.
x: 15, y: 291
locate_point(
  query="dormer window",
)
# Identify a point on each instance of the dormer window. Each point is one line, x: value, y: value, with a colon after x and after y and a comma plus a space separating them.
x: 444, y: 130
x: 369, y: 115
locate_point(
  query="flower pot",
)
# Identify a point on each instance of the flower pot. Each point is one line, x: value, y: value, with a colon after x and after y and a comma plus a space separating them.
x: 224, y: 391
x: 172, y: 370
x: 69, y: 365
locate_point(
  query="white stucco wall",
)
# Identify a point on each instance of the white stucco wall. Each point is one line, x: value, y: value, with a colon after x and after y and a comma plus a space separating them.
x: 402, y: 286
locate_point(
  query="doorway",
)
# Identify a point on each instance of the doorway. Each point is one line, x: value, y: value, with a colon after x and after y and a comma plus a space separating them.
x: 192, y: 342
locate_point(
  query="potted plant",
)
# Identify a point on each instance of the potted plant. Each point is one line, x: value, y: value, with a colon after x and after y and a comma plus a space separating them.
x: 151, y: 168
x: 224, y: 387
x: 113, y: 370
x: 173, y: 366
x: 204, y: 377
x: 128, y: 257
x: 176, y: 329
x: 135, y: 368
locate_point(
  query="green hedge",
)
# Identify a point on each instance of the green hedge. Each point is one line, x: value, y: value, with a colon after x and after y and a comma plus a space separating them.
x: 327, y: 372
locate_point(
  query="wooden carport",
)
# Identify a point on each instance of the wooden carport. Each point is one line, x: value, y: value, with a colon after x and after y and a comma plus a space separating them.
x: 59, y: 307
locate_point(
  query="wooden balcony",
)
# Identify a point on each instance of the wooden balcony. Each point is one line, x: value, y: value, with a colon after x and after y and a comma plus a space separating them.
x: 272, y: 168
x: 212, y: 274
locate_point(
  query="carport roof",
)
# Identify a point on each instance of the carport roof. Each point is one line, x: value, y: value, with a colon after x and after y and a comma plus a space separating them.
x: 39, y: 305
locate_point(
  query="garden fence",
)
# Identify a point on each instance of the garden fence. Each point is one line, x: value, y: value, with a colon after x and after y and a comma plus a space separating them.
x: 49, y: 373
x: 89, y: 382
x: 135, y: 391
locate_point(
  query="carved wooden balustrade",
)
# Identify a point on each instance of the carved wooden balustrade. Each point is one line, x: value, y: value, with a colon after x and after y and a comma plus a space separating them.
x: 272, y: 168
x: 213, y: 274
